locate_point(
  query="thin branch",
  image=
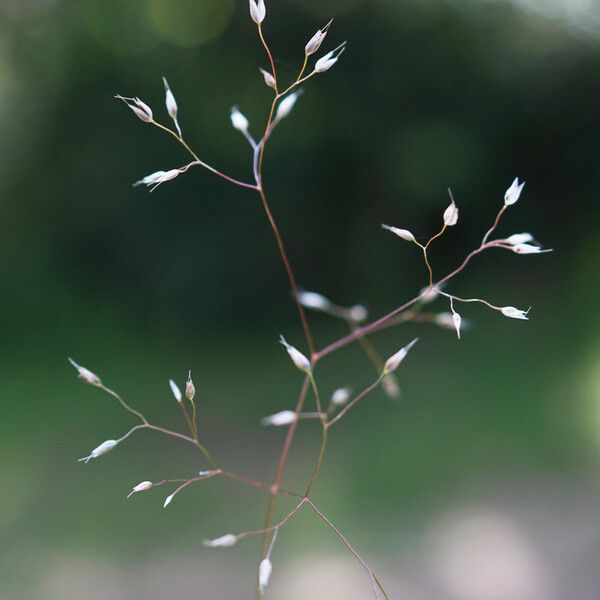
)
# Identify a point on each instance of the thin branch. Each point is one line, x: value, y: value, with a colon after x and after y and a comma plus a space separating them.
x: 276, y: 527
x: 355, y: 401
x: 348, y: 545
x: 202, y: 163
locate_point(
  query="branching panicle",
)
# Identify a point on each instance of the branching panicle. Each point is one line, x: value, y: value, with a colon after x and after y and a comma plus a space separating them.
x: 342, y: 400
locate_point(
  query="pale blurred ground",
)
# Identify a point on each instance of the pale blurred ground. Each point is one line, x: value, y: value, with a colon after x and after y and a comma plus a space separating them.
x: 519, y: 539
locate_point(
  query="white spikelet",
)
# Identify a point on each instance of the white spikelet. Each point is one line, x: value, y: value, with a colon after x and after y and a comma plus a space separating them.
x: 258, y: 11
x: 401, y: 233
x: 519, y: 238
x: 265, y: 570
x: 101, y: 450
x: 85, y: 374
x: 176, y: 391
x: 225, y: 541
x: 140, y: 487
x: 513, y: 192
x: 514, y: 313
x: 394, y: 361
x: 297, y: 357
x: 529, y: 249
x: 456, y: 321
x: 151, y: 179
x: 451, y: 215
x: 340, y: 396
x: 269, y: 79
x: 141, y: 109
x: 316, y: 40
x: 286, y: 105
x: 326, y: 62
x: 314, y: 300
x: 285, y: 417
x: 238, y: 120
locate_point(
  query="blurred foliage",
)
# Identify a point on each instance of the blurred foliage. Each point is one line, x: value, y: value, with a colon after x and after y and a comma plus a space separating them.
x: 140, y: 287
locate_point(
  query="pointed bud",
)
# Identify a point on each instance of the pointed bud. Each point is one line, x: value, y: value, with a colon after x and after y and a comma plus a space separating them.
x: 140, y: 487
x: 519, y: 238
x: 168, y: 500
x: 151, y: 179
x: 451, y: 215
x: 225, y: 541
x: 286, y: 105
x: 269, y: 79
x: 297, y: 357
x: 190, y: 390
x: 358, y: 313
x: 316, y: 40
x: 141, y: 109
x: 101, y: 450
x: 394, y: 361
x: 258, y: 11
x: 514, y: 313
x: 85, y: 374
x: 264, y: 574
x: 326, y: 62
x: 340, y: 396
x: 529, y: 249
x: 513, y: 192
x: 170, y: 102
x: 238, y: 120
x: 313, y: 300
x: 176, y: 391
x: 166, y: 176
x: 402, y: 233
x: 285, y: 417
x: 456, y: 320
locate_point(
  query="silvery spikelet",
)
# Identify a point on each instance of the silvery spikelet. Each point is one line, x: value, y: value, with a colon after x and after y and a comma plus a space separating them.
x: 238, y: 120
x: 456, y: 321
x: 316, y: 40
x: 101, y: 450
x: 265, y: 570
x: 519, y: 238
x: 85, y: 374
x: 190, y: 390
x: 140, y: 487
x: 269, y: 79
x: 394, y: 361
x: 301, y: 362
x: 340, y: 396
x: 326, y: 62
x: 258, y: 11
x: 401, y: 233
x: 285, y: 417
x: 225, y: 541
x: 314, y: 300
x: 286, y: 105
x: 513, y: 192
x: 451, y: 215
x: 176, y: 391
x: 514, y: 313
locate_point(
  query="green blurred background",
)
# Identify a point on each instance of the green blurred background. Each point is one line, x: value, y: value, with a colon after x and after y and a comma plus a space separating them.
x: 481, y: 482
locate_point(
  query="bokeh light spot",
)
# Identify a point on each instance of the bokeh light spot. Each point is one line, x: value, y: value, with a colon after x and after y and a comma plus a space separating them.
x: 190, y: 22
